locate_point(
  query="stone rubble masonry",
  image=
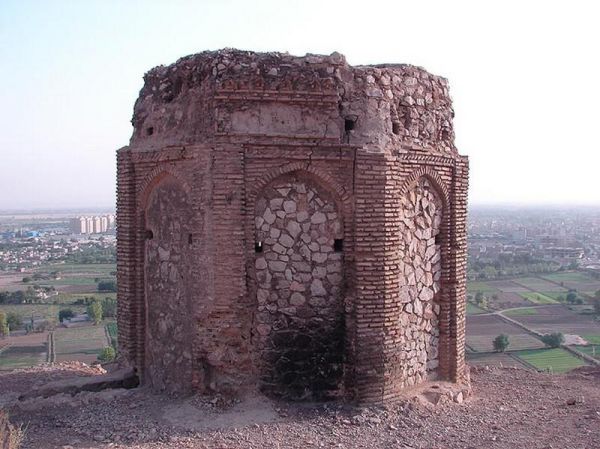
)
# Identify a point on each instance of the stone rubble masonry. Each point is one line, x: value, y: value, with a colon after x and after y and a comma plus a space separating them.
x: 293, y: 224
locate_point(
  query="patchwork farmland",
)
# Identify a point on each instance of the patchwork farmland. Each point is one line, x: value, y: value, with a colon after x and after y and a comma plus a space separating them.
x: 534, y: 302
x: 559, y: 318
x: 482, y: 329
x: 80, y: 343
x: 74, y: 286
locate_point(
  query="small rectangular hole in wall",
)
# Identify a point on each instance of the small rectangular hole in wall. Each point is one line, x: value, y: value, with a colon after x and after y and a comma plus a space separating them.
x: 149, y: 131
x: 396, y: 128
x: 148, y: 235
x: 348, y: 124
x: 258, y: 247
x: 438, y: 239
x: 338, y: 245
x: 190, y: 239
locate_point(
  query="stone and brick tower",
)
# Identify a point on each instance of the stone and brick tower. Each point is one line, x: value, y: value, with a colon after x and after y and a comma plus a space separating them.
x: 294, y: 224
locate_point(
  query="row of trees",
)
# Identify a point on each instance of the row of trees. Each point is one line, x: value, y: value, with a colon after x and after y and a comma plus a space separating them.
x: 95, y: 253
x: 506, y: 265
x: 596, y: 303
x: 33, y: 295
x: 96, y: 310
x: 9, y: 322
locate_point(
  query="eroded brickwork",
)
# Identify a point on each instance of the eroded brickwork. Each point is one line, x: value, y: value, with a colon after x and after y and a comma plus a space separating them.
x: 315, y: 213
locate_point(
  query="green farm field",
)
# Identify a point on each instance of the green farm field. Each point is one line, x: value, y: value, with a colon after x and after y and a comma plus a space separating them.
x: 16, y: 357
x: 556, y: 359
x: 79, y: 343
x: 540, y: 285
x: 591, y: 350
x: 103, y: 269
x: 592, y: 339
x: 580, y: 281
x: 23, y: 351
x: 78, y: 279
x: 538, y: 298
x: 476, y: 286
x: 568, y: 276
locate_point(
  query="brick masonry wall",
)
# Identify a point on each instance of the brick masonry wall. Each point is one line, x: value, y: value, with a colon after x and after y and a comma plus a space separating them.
x: 365, y: 142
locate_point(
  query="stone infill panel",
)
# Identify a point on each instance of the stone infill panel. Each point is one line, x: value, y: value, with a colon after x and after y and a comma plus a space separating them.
x: 420, y: 278
x: 299, y: 272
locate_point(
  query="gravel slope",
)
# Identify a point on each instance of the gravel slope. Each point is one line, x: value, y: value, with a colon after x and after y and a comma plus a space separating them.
x: 510, y: 408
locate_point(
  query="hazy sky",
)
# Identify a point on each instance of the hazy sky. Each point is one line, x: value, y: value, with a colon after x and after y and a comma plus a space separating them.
x: 524, y: 77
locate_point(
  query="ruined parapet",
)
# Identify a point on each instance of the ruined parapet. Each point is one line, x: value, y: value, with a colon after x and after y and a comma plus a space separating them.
x: 292, y: 223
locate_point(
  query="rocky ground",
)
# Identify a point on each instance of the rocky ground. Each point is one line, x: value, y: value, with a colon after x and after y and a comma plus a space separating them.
x: 509, y: 408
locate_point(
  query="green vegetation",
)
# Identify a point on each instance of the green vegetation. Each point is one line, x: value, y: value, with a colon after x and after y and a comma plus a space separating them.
x: 472, y: 309
x: 22, y: 357
x: 558, y: 360
x: 111, y: 328
x: 573, y: 298
x: 591, y: 350
x: 481, y: 300
x: 508, y: 265
x: 65, y: 314
x: 538, y: 298
x: 79, y: 343
x: 109, y: 308
x: 596, y: 302
x: 592, y: 339
x: 4, y: 330
x: 569, y: 276
x: 523, y: 311
x: 558, y: 296
x: 33, y: 294
x: 107, y: 286
x: 501, y: 342
x: 553, y: 340
x: 107, y: 355
x: 93, y: 254
x: 47, y: 312
x: 14, y: 320
x: 474, y: 286
x: 94, y: 311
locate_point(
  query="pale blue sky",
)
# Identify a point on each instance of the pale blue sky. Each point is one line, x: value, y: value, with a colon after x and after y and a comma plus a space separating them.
x: 523, y: 75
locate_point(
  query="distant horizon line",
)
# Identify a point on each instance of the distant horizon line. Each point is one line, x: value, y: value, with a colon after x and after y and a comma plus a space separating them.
x: 112, y: 208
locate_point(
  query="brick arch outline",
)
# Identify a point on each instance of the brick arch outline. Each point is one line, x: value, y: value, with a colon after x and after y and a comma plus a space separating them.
x: 344, y: 202
x: 149, y: 183
x: 320, y: 176
x: 432, y: 176
x: 154, y: 178
x: 446, y: 299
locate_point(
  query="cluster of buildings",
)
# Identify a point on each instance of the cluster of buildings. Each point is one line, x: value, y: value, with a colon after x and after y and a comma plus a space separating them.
x: 559, y: 235
x: 97, y: 224
x: 22, y: 254
x: 34, y: 253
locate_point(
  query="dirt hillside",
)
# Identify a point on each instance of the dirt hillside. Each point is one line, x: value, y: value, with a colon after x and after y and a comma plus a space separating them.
x: 510, y: 408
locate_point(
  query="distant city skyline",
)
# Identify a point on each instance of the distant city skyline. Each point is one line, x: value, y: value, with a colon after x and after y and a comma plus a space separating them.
x: 522, y: 76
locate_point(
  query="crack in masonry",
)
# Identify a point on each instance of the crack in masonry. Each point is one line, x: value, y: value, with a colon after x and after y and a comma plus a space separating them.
x: 310, y: 155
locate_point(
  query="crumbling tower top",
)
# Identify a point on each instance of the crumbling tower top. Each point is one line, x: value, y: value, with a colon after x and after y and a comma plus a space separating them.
x: 385, y: 108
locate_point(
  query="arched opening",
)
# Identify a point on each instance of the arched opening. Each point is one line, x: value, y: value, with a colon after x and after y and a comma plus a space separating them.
x: 420, y: 280
x: 299, y: 322
x: 168, y: 339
